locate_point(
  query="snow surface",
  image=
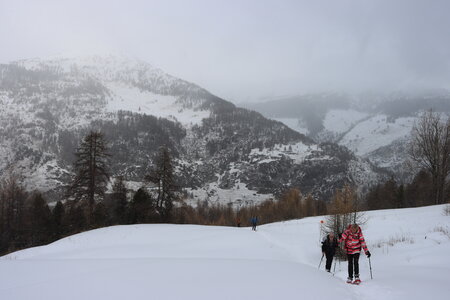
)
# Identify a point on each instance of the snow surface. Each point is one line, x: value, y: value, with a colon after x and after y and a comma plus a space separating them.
x: 340, y: 121
x: 376, y: 132
x: 129, y: 98
x: 294, y: 123
x: 238, y: 196
x: 361, y: 132
x: 298, y: 152
x: 116, y: 73
x: 409, y: 249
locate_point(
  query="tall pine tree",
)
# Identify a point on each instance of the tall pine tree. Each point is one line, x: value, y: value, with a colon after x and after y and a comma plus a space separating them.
x: 89, y: 183
x: 58, y: 215
x: 162, y: 175
x: 40, y: 221
x: 119, y: 201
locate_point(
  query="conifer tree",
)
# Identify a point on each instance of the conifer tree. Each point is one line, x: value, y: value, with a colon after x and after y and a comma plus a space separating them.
x: 141, y: 209
x: 14, y: 213
x: 40, y: 221
x: 400, y: 196
x: 100, y: 217
x: 162, y: 175
x: 75, y: 218
x: 58, y: 215
x: 89, y: 182
x: 119, y: 201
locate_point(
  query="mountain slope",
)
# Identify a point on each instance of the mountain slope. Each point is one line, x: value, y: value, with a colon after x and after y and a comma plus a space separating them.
x: 376, y: 127
x: 49, y: 105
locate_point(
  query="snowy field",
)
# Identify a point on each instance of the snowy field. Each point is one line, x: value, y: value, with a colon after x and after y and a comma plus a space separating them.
x: 294, y: 123
x: 410, y: 260
x: 376, y: 132
x: 132, y: 99
x: 340, y: 120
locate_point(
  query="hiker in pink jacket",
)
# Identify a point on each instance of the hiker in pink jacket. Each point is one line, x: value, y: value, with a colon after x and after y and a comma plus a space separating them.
x: 353, y: 242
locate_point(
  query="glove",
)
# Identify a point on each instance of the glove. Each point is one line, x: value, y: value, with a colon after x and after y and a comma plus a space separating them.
x: 368, y: 254
x: 340, y: 235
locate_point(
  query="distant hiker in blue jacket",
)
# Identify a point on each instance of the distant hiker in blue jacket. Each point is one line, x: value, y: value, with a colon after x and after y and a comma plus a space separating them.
x: 254, y: 222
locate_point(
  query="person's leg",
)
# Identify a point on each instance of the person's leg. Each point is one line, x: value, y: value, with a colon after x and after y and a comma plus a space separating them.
x: 350, y: 265
x: 356, y: 264
x: 329, y: 262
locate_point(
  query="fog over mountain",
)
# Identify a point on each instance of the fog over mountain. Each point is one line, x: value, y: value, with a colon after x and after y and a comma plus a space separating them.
x: 375, y: 126
x: 221, y: 153
x: 336, y: 86
x: 248, y: 50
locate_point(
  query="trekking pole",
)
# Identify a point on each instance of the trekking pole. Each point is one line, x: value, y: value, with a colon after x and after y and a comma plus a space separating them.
x: 370, y: 265
x: 340, y: 269
x: 335, y: 263
x: 338, y: 256
x: 320, y: 261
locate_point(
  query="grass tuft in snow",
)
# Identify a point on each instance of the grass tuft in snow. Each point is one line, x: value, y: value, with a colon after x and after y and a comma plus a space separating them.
x: 446, y: 210
x: 443, y: 229
x: 393, y: 240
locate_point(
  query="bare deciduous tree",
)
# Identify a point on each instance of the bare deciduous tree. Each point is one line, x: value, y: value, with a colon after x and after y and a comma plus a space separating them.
x: 430, y: 150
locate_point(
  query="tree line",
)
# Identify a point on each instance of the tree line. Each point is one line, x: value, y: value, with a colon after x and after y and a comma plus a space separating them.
x: 26, y: 219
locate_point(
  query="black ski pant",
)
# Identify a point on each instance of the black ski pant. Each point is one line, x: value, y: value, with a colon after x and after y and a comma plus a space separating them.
x: 329, y: 257
x: 353, y: 264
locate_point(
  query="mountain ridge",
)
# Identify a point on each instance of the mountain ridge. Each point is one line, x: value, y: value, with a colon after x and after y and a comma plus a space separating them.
x: 49, y: 105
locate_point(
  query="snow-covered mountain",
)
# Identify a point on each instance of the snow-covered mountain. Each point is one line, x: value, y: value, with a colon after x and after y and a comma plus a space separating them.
x: 375, y: 127
x: 222, y: 153
x: 409, y: 261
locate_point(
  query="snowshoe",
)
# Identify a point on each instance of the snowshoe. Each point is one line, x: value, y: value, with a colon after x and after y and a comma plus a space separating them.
x: 349, y: 280
x: 357, y: 281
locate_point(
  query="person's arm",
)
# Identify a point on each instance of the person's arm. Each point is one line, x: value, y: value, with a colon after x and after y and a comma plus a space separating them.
x: 363, y: 244
x: 343, y: 237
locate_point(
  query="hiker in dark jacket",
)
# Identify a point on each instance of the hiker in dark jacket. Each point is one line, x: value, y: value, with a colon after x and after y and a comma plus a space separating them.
x: 254, y: 221
x: 329, y: 246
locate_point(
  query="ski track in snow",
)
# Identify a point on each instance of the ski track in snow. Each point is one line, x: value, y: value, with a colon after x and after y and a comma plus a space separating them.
x: 278, y: 261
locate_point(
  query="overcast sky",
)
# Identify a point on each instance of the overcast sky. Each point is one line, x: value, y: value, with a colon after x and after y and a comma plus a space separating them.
x: 246, y: 50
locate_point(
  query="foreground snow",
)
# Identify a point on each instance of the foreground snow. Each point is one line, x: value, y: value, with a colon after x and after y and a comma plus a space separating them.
x: 410, y: 259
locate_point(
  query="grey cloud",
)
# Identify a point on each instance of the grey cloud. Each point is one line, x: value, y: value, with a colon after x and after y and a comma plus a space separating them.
x: 245, y: 50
